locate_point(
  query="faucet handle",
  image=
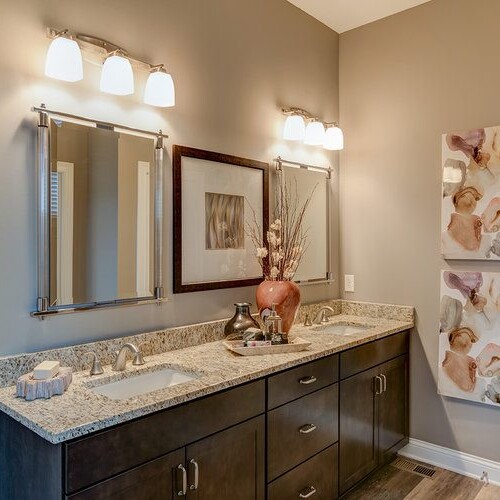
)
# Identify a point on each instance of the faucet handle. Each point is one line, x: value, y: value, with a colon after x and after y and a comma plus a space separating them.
x: 307, y: 321
x: 138, y: 359
x: 96, y: 368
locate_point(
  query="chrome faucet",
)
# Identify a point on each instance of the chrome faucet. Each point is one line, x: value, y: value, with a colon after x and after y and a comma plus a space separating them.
x: 322, y: 316
x: 121, y: 357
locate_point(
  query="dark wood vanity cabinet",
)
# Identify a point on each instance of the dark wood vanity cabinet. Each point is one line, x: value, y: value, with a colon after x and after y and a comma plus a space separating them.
x: 373, y: 408
x: 226, y: 466
x: 312, y: 431
x: 222, y: 437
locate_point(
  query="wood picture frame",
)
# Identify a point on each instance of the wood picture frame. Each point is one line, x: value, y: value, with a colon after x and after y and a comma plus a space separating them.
x: 200, y: 161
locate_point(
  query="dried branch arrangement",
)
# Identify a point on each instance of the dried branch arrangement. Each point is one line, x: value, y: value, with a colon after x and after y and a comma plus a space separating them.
x: 281, y: 251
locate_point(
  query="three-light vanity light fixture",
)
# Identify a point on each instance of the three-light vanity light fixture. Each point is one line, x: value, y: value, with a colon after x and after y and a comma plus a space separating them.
x: 65, y: 62
x: 300, y: 125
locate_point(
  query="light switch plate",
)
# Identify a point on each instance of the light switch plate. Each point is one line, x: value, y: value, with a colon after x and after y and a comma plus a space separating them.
x: 348, y: 282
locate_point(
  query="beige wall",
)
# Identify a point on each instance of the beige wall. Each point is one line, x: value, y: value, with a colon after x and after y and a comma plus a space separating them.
x: 235, y: 62
x: 403, y: 82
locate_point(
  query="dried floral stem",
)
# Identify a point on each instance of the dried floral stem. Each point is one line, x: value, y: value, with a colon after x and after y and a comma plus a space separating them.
x: 281, y: 250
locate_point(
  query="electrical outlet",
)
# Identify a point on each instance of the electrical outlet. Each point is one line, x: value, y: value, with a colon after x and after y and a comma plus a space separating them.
x: 348, y: 282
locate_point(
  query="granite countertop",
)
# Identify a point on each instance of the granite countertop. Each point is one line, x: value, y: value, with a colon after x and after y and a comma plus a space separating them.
x: 80, y: 411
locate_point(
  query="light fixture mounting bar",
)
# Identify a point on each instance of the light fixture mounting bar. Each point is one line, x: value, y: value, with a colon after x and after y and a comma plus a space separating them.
x: 297, y: 111
x: 306, y: 115
x: 97, y: 49
x: 280, y: 162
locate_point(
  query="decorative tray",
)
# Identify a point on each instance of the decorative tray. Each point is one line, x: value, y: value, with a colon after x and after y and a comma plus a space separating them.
x: 295, y: 345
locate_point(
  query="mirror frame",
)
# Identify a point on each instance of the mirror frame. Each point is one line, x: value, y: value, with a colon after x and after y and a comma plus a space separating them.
x: 43, y: 307
x: 328, y: 171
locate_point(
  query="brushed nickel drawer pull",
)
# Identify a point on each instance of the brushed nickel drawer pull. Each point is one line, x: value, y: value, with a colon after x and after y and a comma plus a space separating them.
x: 379, y: 390
x: 308, y: 492
x: 308, y: 380
x: 306, y: 429
x: 196, y: 474
x: 183, y: 492
x: 384, y: 380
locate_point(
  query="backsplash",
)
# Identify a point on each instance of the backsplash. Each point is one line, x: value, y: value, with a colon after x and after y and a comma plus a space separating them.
x: 169, y: 339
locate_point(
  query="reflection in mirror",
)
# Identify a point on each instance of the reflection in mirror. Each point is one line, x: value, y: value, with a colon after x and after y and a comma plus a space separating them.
x: 101, y: 214
x: 315, y: 265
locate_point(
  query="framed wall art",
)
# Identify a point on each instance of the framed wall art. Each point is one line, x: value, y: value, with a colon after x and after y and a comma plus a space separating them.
x: 469, y: 336
x: 470, y: 220
x: 215, y: 197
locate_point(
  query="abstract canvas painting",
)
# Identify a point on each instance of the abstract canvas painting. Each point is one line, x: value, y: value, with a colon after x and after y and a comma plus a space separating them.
x: 470, y: 216
x: 469, y: 336
x: 224, y: 221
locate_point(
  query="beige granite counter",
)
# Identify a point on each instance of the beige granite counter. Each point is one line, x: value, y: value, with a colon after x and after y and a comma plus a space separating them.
x: 80, y: 411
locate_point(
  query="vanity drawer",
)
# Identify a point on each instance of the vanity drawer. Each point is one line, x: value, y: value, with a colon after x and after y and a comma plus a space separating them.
x: 300, y: 429
x: 304, y: 379
x: 366, y: 356
x: 317, y: 478
x: 116, y: 450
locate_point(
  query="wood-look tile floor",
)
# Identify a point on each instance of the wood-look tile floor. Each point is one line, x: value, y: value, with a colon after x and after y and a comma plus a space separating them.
x: 391, y: 483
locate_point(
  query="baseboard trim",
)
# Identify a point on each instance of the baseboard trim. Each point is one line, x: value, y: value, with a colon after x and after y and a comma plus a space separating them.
x: 456, y: 461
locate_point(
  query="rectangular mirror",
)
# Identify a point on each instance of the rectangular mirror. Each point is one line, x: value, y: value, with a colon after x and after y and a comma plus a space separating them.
x: 316, y: 265
x: 99, y: 238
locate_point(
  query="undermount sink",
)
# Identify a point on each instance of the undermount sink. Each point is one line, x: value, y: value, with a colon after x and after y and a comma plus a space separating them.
x: 138, y: 385
x: 341, y: 328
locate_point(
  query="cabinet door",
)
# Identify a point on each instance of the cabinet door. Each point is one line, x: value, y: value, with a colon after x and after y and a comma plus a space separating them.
x: 393, y: 406
x: 358, y: 437
x: 156, y: 480
x: 230, y: 464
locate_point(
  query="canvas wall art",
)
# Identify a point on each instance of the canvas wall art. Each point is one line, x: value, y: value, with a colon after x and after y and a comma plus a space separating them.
x: 470, y: 216
x: 469, y: 336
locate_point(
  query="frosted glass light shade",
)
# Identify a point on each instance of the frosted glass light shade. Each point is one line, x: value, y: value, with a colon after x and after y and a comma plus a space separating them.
x: 294, y: 129
x: 160, y: 90
x: 117, y: 76
x: 334, y: 139
x: 315, y: 134
x: 64, y: 60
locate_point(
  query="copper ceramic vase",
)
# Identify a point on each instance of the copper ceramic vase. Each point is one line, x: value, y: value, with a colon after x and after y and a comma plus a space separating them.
x: 286, y: 296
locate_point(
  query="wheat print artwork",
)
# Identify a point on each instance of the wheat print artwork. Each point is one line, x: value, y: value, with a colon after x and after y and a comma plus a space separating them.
x: 471, y: 194
x: 469, y: 336
x: 224, y: 221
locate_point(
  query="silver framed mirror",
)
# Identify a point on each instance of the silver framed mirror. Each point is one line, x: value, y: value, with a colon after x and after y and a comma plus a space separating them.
x: 316, y: 266
x: 99, y: 214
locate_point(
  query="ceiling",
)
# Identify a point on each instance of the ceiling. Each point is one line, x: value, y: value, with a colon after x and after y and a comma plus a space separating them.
x: 344, y: 15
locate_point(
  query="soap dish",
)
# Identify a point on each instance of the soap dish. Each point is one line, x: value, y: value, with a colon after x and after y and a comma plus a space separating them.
x: 295, y: 345
x: 29, y: 388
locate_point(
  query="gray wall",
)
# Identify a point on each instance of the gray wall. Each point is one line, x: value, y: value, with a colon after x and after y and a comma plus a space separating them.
x: 403, y: 82
x: 235, y: 62
x: 102, y: 216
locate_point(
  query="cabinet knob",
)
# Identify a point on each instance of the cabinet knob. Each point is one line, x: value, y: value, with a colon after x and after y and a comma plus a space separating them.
x: 308, y: 492
x: 307, y: 428
x: 308, y: 380
x: 194, y: 486
x: 183, y: 492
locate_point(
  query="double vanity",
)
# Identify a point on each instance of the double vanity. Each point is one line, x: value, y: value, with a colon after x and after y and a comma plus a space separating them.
x: 203, y: 423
